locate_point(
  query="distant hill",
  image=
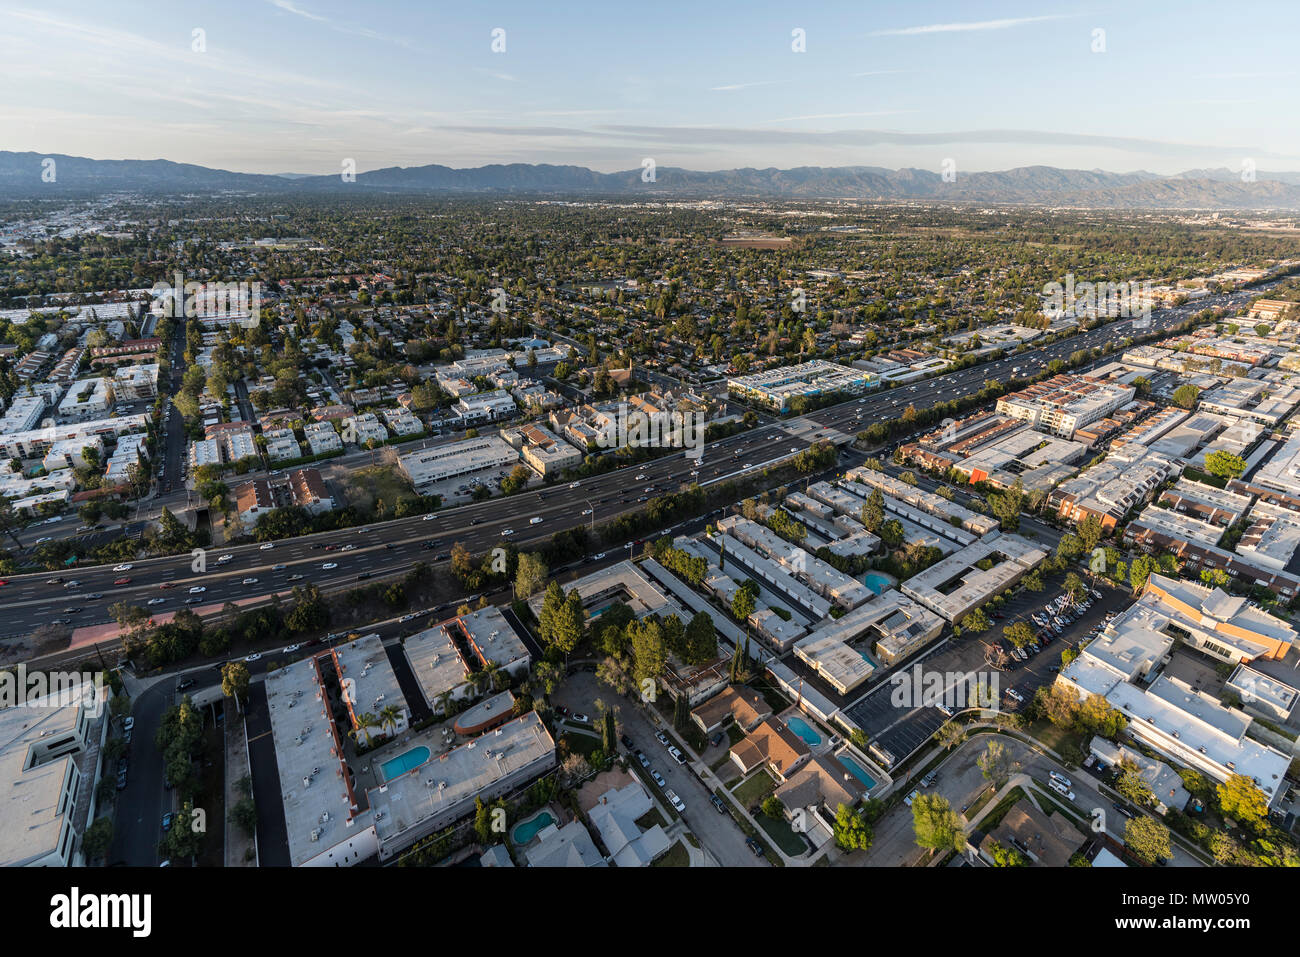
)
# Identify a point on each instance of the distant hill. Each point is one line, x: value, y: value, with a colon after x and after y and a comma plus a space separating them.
x: 20, y: 175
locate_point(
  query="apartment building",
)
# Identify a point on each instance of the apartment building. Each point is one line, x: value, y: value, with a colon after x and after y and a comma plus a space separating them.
x: 1064, y: 403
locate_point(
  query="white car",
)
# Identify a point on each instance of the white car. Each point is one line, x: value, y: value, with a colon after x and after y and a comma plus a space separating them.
x: 674, y: 800
x: 225, y: 558
x: 586, y: 511
x: 1015, y: 695
x: 290, y: 649
x: 573, y: 484
x: 42, y: 541
x: 155, y: 601
x: 1061, y: 779
x: 429, y: 518
x: 910, y: 798
x: 253, y: 657
x: 348, y: 548
x: 198, y: 590
x: 249, y: 581
x: 329, y: 566
x: 598, y: 556
x: 507, y: 532
x: 1061, y: 789
x: 535, y: 520
x: 123, y: 568
x: 278, y: 568
x: 267, y: 547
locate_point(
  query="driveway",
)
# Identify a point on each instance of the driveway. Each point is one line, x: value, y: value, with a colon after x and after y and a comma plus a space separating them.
x: 718, y: 833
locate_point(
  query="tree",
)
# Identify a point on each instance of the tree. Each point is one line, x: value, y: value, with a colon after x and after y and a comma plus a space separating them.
x: 1074, y: 585
x: 936, y: 824
x: 234, y: 680
x: 551, y: 605
x: 742, y: 604
x: 701, y: 639
x: 530, y: 575
x: 873, y: 512
x: 772, y: 807
x: 950, y: 735
x: 892, y: 533
x: 649, y: 653
x: 852, y: 832
x: 244, y: 814
x: 183, y: 840
x: 1148, y: 839
x: 98, y: 838
x: 570, y: 623
x: 1224, y: 464
x: 1131, y: 784
x: 1140, y: 571
x: 1090, y: 532
x: 995, y: 763
x: 975, y: 621
x: 1241, y: 800
x: 1007, y: 856
x: 1185, y: 396
x: 1019, y: 634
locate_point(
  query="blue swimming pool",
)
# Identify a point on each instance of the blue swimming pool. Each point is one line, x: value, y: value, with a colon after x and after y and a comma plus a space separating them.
x: 877, y: 582
x: 404, y: 762
x: 526, y: 831
x: 857, y: 770
x: 802, y: 728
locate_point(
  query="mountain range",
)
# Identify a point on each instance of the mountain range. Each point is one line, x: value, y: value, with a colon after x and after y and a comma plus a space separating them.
x: 21, y: 176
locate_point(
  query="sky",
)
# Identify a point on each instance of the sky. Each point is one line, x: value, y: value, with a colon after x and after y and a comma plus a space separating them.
x: 274, y: 86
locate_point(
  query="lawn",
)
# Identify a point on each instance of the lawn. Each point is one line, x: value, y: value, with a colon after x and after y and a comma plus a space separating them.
x: 734, y: 733
x: 676, y: 856
x: 782, y: 835
x: 756, y: 787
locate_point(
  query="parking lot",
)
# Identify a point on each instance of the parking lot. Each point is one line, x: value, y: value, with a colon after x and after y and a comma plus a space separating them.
x: 901, y: 730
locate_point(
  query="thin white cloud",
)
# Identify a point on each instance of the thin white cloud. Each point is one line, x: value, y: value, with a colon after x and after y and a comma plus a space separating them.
x: 878, y: 73
x: 744, y: 86
x: 967, y: 26
x: 289, y: 7
x: 837, y: 116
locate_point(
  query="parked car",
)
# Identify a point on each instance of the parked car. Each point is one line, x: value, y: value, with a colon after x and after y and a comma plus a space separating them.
x: 167, y: 820
x: 658, y: 779
x: 674, y: 800
x: 910, y: 798
x: 645, y: 762
x: 1061, y: 789
x: 627, y: 742
x: 717, y: 804
x: 754, y: 846
x: 1061, y: 779
x: 128, y: 723
x: 1015, y: 695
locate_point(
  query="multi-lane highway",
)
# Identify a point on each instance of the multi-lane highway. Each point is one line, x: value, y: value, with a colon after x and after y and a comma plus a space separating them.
x: 389, y: 547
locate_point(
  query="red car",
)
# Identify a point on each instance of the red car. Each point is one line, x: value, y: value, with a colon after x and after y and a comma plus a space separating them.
x: 167, y: 585
x: 3, y: 581
x: 122, y: 581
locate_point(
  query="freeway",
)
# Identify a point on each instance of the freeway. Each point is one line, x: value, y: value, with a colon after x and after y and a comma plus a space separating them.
x: 393, y: 546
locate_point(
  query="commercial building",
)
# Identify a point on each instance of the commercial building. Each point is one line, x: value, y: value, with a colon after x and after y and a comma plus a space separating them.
x: 1110, y: 489
x: 937, y: 505
x: 543, y: 449
x: 1064, y: 403
x: 968, y: 578
x: 776, y: 388
x: 1184, y: 723
x: 51, y: 759
x: 485, y: 407
x: 427, y: 467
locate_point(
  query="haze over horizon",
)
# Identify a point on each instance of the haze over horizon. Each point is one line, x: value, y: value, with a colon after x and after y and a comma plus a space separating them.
x: 296, y: 86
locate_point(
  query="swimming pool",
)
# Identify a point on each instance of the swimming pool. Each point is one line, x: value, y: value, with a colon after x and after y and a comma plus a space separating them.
x: 404, y: 762
x: 526, y: 831
x: 802, y: 728
x: 857, y: 770
x: 877, y: 582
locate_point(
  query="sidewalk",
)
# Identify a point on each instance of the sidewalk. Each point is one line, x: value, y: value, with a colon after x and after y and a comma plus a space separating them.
x: 238, y: 844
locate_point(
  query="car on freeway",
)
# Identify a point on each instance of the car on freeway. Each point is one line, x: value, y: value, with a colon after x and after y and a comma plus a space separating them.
x: 156, y: 601
x: 429, y: 518
x: 598, y: 556
x: 290, y: 649
x: 266, y: 547
x: 124, y: 567
x: 225, y: 558
x: 95, y: 597
x: 278, y: 568
x: 295, y: 578
x: 329, y: 566
x: 193, y: 601
x: 42, y: 541
x: 574, y: 484
x: 253, y: 657
x: 249, y: 581
x: 198, y: 589
x: 348, y: 548
x: 166, y: 585
x: 507, y: 532
x: 122, y: 581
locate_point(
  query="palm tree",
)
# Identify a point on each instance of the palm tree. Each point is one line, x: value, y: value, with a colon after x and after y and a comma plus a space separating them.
x: 494, y: 674
x: 362, y: 723
x: 389, y: 716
